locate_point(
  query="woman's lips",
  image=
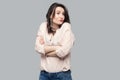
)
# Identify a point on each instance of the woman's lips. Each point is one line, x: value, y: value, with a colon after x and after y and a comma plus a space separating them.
x: 61, y: 20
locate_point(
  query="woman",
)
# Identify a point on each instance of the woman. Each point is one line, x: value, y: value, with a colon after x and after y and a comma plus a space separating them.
x: 54, y: 42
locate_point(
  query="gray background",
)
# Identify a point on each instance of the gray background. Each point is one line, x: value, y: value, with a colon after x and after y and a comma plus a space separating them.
x: 95, y: 23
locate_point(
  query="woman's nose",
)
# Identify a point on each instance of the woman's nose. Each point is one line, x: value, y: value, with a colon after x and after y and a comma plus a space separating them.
x: 62, y: 16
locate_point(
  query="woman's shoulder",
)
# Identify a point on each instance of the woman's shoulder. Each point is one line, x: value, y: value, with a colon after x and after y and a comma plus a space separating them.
x: 66, y: 25
x: 43, y: 25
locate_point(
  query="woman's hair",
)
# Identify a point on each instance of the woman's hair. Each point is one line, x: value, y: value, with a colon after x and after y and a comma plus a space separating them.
x: 51, y: 10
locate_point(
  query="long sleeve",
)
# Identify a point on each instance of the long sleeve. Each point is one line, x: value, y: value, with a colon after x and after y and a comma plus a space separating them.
x: 67, y: 41
x: 39, y: 44
x: 62, y: 41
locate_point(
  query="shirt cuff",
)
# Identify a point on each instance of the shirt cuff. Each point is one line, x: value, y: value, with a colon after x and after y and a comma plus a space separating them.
x: 60, y: 53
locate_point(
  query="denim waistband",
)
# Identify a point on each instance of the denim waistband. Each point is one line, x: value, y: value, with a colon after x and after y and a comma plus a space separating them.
x: 55, y: 72
x: 61, y: 75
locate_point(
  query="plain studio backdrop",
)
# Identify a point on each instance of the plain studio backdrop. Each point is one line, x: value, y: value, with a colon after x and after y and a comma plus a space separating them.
x: 95, y: 23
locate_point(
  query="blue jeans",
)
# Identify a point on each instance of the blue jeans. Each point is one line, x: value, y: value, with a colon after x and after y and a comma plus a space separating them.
x: 64, y: 75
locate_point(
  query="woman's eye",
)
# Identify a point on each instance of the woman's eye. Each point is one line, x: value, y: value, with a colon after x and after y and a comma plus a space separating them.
x: 58, y: 13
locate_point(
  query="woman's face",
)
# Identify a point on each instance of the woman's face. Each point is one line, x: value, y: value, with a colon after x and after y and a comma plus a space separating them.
x: 59, y: 16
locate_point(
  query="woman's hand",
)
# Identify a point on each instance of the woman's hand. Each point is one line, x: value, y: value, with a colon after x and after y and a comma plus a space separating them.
x: 51, y: 54
x: 51, y: 51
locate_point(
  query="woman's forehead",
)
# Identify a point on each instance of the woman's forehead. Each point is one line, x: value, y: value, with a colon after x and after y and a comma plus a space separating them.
x: 59, y: 9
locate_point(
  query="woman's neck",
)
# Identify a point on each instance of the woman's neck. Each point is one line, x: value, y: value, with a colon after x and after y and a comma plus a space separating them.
x: 54, y: 27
